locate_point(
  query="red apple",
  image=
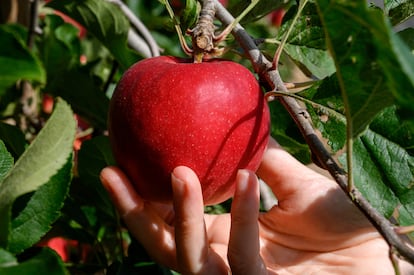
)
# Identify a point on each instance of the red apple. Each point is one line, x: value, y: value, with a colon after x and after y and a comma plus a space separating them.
x: 276, y: 17
x: 209, y: 116
x: 68, y: 249
x: 47, y: 104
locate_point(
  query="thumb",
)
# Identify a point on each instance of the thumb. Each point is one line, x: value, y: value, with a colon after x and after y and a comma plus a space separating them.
x: 244, y: 247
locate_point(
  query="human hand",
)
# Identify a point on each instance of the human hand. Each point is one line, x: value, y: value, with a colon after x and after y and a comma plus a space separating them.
x: 314, y: 229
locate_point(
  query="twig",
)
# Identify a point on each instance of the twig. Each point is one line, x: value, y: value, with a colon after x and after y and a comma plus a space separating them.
x: 139, y: 26
x: 279, y: 49
x: 263, y: 68
x: 28, y: 119
x: 137, y: 43
x: 187, y: 50
x: 112, y: 73
x: 240, y: 17
x: 203, y: 33
x: 32, y: 23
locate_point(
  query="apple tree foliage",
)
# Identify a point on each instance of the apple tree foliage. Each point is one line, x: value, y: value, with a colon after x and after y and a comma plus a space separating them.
x: 359, y: 69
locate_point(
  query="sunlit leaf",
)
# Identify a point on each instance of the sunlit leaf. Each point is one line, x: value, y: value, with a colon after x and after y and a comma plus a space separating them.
x: 373, y: 65
x: 399, y: 10
x: 308, y: 30
x: 41, y: 211
x: 46, y: 155
x: 6, y: 160
x: 382, y: 161
x: 317, y: 61
x: 327, y: 111
x: 7, y: 258
x: 306, y: 43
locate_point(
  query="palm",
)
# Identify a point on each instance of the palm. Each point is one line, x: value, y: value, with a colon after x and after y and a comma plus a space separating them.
x: 312, y: 226
x: 322, y: 240
x: 314, y: 229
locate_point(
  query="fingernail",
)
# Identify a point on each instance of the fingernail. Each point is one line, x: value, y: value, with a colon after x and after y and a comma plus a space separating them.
x: 242, y: 180
x: 177, y: 184
x: 105, y: 173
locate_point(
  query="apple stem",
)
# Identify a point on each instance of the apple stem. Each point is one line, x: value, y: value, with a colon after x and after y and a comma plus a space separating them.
x: 203, y: 33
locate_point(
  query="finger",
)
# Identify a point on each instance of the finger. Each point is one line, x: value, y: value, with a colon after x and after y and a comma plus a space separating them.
x: 142, y: 221
x: 121, y: 191
x: 244, y: 247
x: 193, y: 254
x: 283, y: 173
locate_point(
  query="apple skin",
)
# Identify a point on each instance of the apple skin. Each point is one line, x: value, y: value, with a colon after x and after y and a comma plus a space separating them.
x: 210, y: 116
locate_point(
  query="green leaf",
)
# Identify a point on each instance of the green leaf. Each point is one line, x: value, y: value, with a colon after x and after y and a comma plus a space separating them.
x: 6, y: 160
x: 373, y: 65
x: 391, y: 4
x: 45, y: 261
x: 407, y: 36
x: 389, y: 125
x: 13, y: 138
x: 189, y: 14
x: 399, y: 68
x: 94, y: 155
x: 306, y: 43
x: 7, y: 258
x: 262, y: 8
x: 60, y: 48
x: 400, y: 11
x: 84, y: 93
x: 41, y: 211
x: 43, y: 159
x: 317, y: 61
x: 105, y: 21
x: 25, y: 66
x: 308, y: 30
x: 383, y: 166
x: 287, y: 134
x: 326, y: 109
x: 384, y: 173
x: 61, y: 53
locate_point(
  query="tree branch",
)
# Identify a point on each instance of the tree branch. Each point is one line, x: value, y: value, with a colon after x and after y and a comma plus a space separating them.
x: 263, y: 68
x: 134, y: 40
